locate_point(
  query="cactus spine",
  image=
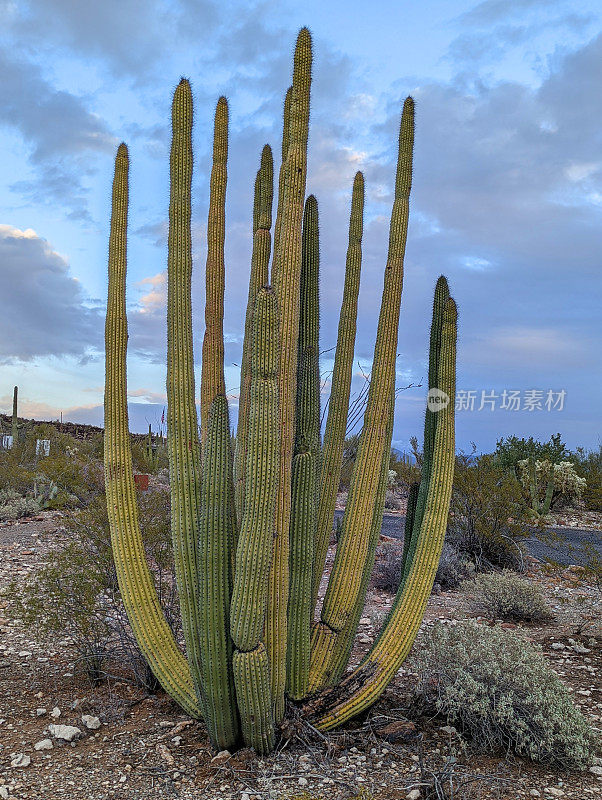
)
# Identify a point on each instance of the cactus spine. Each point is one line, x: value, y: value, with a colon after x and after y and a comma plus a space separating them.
x: 247, y: 596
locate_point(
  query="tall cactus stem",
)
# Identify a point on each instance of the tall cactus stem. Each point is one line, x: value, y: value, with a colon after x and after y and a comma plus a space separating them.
x: 212, y: 378
x: 366, y: 683
x: 286, y: 121
x: 354, y: 547
x: 152, y: 632
x: 336, y: 422
x: 287, y: 272
x: 262, y: 222
x: 183, y: 442
x: 215, y: 542
x: 430, y: 418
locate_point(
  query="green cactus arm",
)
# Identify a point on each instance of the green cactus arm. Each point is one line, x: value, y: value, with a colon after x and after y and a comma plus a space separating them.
x: 254, y: 549
x: 409, y: 523
x: 336, y: 422
x: 430, y: 418
x: 287, y: 270
x: 215, y: 542
x: 262, y: 222
x: 329, y: 663
x: 183, y: 442
x: 353, y: 550
x: 253, y: 690
x: 303, y: 519
x: 365, y: 684
x: 212, y: 377
x: 282, y: 175
x: 152, y: 632
x: 305, y: 461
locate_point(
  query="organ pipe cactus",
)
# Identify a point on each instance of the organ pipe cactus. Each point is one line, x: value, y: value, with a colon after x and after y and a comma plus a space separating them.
x: 251, y: 532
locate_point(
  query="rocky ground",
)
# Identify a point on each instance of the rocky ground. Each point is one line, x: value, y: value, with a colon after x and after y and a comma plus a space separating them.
x: 62, y: 738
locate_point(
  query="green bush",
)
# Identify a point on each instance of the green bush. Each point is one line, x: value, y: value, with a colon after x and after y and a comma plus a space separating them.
x: 75, y: 593
x: 505, y: 595
x: 499, y: 690
x: 487, y: 514
x: 511, y: 450
x: 14, y: 506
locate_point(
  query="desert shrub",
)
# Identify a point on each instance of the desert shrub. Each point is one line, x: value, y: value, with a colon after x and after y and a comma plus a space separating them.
x: 453, y: 567
x: 392, y: 501
x: 387, y: 567
x: 499, y: 690
x: 506, y: 595
x: 487, y: 514
x: 14, y: 506
x: 588, y: 464
x: 511, y: 450
x: 75, y: 593
x: 567, y: 485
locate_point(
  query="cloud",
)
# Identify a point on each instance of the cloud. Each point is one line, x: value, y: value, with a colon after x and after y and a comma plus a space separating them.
x: 59, y: 130
x: 43, y: 310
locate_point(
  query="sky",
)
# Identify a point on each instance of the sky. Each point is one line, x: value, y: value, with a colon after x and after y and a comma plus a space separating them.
x: 506, y: 198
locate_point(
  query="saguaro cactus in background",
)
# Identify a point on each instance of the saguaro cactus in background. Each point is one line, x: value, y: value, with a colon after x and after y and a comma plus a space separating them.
x: 15, y: 425
x: 250, y: 537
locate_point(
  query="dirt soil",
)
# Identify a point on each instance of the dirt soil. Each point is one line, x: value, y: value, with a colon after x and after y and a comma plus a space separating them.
x: 145, y: 748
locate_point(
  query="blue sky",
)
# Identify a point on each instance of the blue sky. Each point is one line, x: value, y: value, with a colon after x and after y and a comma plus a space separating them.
x: 507, y: 197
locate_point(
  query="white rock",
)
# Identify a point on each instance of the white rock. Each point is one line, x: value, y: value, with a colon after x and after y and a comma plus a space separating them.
x: 534, y: 793
x: 364, y: 639
x: 55, y: 713
x: 4, y: 794
x: 20, y: 760
x: 41, y: 712
x: 43, y: 744
x: 245, y: 796
x: 596, y: 770
x: 579, y: 648
x: 554, y: 646
x: 66, y: 732
x: 413, y: 794
x: 302, y: 781
x: 91, y: 723
x: 554, y: 791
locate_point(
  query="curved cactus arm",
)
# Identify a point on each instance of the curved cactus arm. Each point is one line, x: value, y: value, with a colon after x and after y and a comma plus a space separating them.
x: 152, y: 632
x: 215, y: 541
x: 365, y: 684
x: 262, y: 222
x: 354, y: 547
x: 430, y: 419
x: 333, y: 660
x: 253, y: 553
x: 287, y: 273
x: 338, y: 406
x: 183, y: 442
x: 212, y: 376
x: 409, y: 523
